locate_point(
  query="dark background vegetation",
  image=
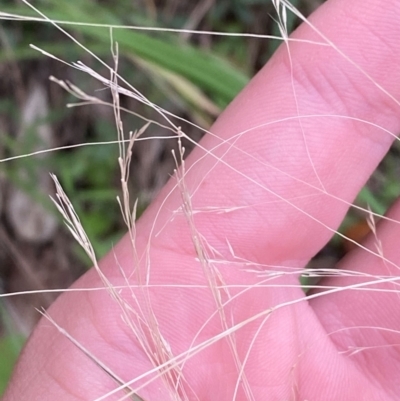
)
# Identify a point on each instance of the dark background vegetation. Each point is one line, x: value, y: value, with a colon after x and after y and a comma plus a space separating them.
x: 193, y: 76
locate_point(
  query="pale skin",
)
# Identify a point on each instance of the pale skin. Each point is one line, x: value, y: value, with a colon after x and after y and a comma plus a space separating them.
x: 298, y: 354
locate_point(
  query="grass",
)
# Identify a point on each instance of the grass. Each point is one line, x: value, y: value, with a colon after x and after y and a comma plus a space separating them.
x: 203, y: 83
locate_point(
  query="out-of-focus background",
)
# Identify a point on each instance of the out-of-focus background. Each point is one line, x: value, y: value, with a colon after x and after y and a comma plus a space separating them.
x: 192, y: 76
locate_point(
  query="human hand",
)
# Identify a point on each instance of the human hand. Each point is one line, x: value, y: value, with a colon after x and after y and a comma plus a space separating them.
x: 312, y: 129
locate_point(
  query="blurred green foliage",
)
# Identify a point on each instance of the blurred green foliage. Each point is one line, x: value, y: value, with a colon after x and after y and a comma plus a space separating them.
x: 203, y: 68
x: 10, y: 347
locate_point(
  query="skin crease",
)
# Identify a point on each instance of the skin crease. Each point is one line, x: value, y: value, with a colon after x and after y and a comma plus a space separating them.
x: 299, y: 351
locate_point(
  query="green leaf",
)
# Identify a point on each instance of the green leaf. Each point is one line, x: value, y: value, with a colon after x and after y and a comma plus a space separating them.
x: 10, y: 348
x: 209, y: 72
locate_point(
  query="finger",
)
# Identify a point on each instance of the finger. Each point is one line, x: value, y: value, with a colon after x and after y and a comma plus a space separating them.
x: 281, y: 183
x: 363, y: 319
x: 275, y: 171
